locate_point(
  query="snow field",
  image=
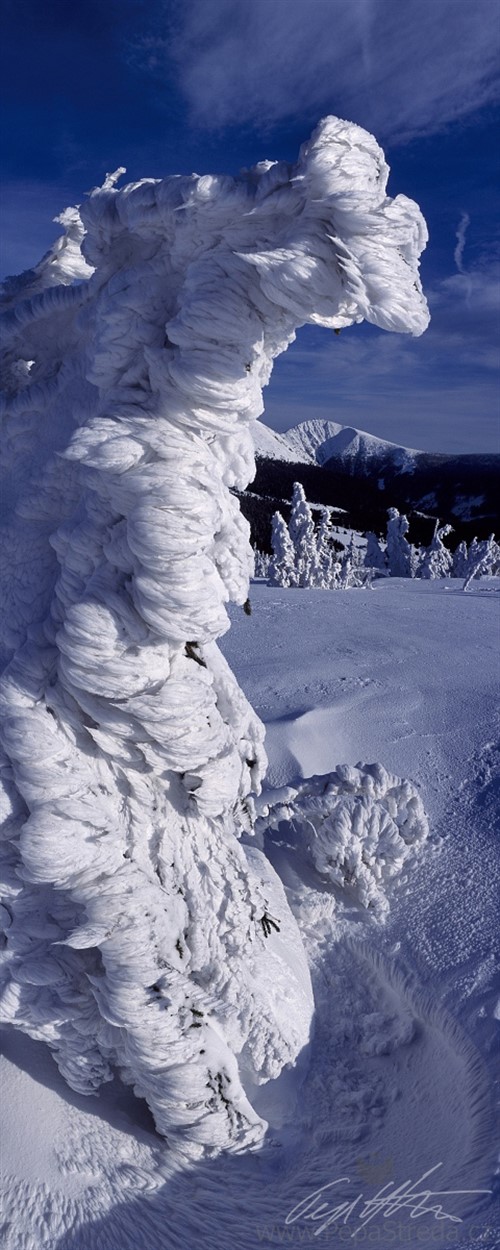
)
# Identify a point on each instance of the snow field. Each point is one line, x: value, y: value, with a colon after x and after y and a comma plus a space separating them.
x: 398, y: 1073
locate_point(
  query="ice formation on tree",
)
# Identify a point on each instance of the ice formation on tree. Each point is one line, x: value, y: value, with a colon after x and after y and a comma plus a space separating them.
x: 437, y: 560
x: 483, y: 558
x: 261, y: 562
x: 303, y: 539
x: 305, y: 557
x: 282, y: 566
x: 460, y: 559
x: 327, y: 559
x: 400, y: 553
x: 356, y: 826
x: 136, y: 353
x: 347, y: 576
x: 374, y: 555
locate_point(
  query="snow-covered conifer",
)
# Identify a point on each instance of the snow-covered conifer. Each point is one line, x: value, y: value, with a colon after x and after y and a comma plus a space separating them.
x: 484, y: 559
x: 400, y: 553
x: 282, y: 567
x: 303, y: 536
x: 437, y: 560
x: 261, y: 563
x: 135, y: 939
x: 347, y: 575
x: 375, y: 557
x: 326, y: 554
x: 460, y: 561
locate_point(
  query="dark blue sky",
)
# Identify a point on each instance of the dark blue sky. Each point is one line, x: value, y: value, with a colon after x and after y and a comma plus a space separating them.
x: 172, y: 86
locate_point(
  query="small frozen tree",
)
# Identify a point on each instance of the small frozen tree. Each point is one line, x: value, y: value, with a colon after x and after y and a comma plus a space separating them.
x: 347, y: 566
x: 400, y: 553
x: 460, y: 561
x: 437, y: 560
x: 326, y: 554
x: 302, y: 534
x: 261, y: 563
x: 282, y: 569
x: 375, y: 557
x: 484, y: 559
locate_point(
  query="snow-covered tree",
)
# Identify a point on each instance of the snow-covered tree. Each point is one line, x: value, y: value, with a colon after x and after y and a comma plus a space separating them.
x: 327, y: 557
x: 135, y: 355
x: 346, y: 576
x: 303, y: 537
x: 484, y: 559
x: 261, y: 563
x: 282, y: 567
x: 460, y: 561
x: 375, y: 557
x: 400, y: 553
x: 437, y: 560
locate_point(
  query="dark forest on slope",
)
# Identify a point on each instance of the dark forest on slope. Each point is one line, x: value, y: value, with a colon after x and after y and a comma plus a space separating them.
x: 460, y: 490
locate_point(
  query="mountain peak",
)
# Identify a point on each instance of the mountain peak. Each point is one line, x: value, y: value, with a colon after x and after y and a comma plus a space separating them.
x: 320, y: 441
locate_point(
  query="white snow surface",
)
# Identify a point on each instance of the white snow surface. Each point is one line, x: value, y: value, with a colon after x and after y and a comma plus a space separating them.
x: 398, y: 1075
x: 135, y: 914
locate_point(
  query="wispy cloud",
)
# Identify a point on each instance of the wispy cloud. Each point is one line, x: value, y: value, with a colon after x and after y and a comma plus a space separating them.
x: 400, y: 67
x: 461, y: 233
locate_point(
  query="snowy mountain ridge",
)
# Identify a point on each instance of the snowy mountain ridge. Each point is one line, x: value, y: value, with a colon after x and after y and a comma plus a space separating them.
x: 318, y: 441
x: 343, y: 467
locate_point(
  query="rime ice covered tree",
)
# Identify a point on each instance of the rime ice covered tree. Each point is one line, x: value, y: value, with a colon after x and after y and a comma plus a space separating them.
x: 303, y: 556
x: 460, y: 560
x: 437, y: 560
x: 135, y: 355
x: 346, y: 575
x: 261, y: 564
x: 374, y: 555
x: 484, y: 559
x: 303, y: 538
x: 326, y: 554
x: 400, y: 553
x: 282, y: 566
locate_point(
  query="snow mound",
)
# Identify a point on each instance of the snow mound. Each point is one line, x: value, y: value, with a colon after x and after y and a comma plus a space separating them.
x: 137, y: 931
x: 356, y: 825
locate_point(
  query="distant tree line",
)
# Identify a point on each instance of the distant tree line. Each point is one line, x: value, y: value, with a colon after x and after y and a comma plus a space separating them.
x: 463, y: 490
x: 305, y: 554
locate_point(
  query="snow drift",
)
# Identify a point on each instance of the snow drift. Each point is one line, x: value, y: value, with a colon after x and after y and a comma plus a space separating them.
x: 136, y: 351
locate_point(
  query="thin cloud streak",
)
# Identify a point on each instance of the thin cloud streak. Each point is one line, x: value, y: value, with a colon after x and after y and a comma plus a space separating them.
x: 401, y: 69
x: 461, y: 233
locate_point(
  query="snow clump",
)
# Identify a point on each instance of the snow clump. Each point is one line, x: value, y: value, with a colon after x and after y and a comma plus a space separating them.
x: 356, y: 826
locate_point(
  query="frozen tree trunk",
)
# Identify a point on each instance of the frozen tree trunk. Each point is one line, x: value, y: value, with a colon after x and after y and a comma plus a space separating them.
x: 132, y: 909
